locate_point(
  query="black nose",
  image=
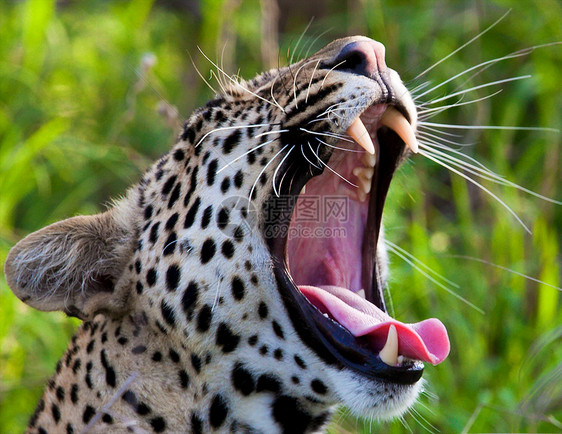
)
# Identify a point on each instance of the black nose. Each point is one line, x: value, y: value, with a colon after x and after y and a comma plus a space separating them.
x: 364, y: 57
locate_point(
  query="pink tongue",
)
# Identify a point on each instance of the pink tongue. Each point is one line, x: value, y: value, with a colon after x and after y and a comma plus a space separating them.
x: 426, y: 340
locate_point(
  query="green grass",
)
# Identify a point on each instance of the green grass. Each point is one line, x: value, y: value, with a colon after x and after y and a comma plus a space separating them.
x: 79, y: 123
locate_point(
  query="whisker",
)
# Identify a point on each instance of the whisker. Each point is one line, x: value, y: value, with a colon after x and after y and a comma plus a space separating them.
x: 421, y: 264
x: 335, y: 135
x: 481, y: 86
x: 234, y: 127
x: 472, y: 181
x: 310, y: 81
x: 337, y: 147
x: 432, y: 279
x: 489, y: 174
x: 328, y: 73
x: 300, y: 39
x: 457, y: 104
x: 246, y: 153
x: 488, y: 127
x: 237, y: 83
x: 263, y: 170
x: 441, y: 141
x: 277, y: 169
x: 438, y: 131
x: 306, y: 158
x: 332, y: 170
x: 483, y: 261
x: 464, y: 45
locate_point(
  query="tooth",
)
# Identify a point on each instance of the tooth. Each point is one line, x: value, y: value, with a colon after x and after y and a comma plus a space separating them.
x: 389, y: 353
x: 359, y: 133
x: 303, y: 189
x: 369, y: 160
x: 362, y: 195
x: 361, y: 293
x: 394, y: 120
x: 363, y: 172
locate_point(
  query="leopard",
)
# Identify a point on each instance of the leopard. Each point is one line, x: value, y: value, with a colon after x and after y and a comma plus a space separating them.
x: 212, y: 299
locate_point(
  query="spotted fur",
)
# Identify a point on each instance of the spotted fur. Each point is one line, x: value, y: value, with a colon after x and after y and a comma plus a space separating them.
x: 185, y: 328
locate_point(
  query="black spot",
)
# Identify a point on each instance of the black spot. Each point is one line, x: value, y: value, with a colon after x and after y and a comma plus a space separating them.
x: 76, y: 366
x: 204, y: 318
x: 295, y: 379
x: 225, y: 184
x: 223, y: 218
x: 208, y: 250
x: 231, y: 141
x: 268, y: 383
x: 88, y: 414
x: 158, y: 424
x: 300, y: 362
x: 74, y: 393
x: 154, y: 232
x: 188, y: 134
x: 139, y: 287
x: 168, y: 313
x: 151, y: 277
x: 277, y: 329
x: 264, y: 350
x: 207, y: 214
x: 122, y: 340
x: 184, y: 379
x: 190, y: 216
x: 69, y: 428
x: 107, y: 418
x: 227, y: 249
x: 179, y: 155
x: 238, y: 179
x: 252, y: 340
x: 218, y: 411
x: 237, y: 288
x: 172, y: 221
x: 55, y: 411
x: 211, y: 172
x: 173, y: 276
x: 139, y: 349
x: 251, y: 157
x: 169, y: 184
x: 170, y: 245
x: 238, y: 234
x: 278, y: 354
x: 148, y: 212
x: 38, y: 410
x: 226, y: 339
x: 242, y: 379
x: 189, y: 299
x: 318, y: 386
x: 157, y: 356
x: 138, y: 266
x: 174, y: 356
x: 90, y: 346
x: 174, y: 196
x: 109, y: 371
x: 263, y: 310
x: 289, y: 415
x: 87, y: 377
x: 196, y: 362
x: 196, y: 424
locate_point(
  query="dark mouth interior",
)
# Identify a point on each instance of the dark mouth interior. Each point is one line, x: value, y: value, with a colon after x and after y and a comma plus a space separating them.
x: 338, y: 254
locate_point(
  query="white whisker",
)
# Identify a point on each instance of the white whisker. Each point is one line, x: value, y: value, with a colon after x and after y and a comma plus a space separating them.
x: 246, y: 153
x: 263, y: 170
x: 469, y: 179
x: 234, y: 127
x: 431, y: 278
x: 335, y: 135
x: 277, y: 169
x: 306, y: 158
x: 463, y: 46
x: 342, y: 149
x: 457, y: 104
x: 330, y: 169
x: 481, y: 86
x: 488, y: 127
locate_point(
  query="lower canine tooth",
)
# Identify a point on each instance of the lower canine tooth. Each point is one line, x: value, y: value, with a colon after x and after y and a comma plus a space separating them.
x: 389, y: 353
x: 361, y: 293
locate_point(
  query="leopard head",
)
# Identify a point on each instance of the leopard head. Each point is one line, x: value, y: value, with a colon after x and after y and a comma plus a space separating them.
x: 256, y: 246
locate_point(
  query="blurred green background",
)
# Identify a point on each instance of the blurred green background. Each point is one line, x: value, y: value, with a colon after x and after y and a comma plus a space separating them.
x: 88, y: 96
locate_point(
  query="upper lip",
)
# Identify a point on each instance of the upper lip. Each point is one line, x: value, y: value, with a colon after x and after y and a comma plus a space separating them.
x: 335, y: 344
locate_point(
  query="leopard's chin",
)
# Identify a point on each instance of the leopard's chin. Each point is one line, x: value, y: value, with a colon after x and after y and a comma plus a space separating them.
x: 326, y: 245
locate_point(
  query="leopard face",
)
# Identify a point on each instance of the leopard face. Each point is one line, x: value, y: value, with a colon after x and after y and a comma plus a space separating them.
x: 240, y: 285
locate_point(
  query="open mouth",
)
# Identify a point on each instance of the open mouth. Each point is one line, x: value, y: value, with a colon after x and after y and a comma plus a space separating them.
x: 326, y: 260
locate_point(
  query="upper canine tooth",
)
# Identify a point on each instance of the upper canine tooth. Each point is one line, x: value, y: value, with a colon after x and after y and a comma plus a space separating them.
x: 389, y: 353
x: 394, y: 120
x: 359, y: 133
x: 369, y: 160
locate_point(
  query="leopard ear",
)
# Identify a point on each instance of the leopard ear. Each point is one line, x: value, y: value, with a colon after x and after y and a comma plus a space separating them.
x: 76, y: 265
